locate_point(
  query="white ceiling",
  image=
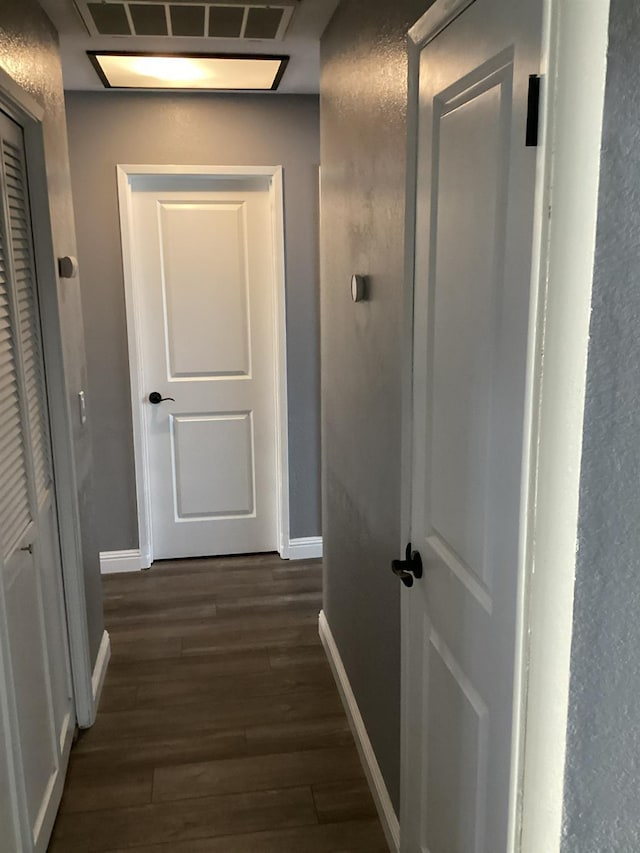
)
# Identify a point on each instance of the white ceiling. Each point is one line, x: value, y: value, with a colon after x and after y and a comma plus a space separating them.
x: 301, y: 43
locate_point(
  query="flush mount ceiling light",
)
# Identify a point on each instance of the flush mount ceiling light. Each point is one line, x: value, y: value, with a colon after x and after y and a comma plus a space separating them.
x: 225, y: 72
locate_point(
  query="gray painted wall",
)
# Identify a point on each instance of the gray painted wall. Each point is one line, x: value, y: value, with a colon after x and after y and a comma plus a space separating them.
x: 363, y: 142
x: 110, y: 128
x: 29, y: 54
x: 602, y: 785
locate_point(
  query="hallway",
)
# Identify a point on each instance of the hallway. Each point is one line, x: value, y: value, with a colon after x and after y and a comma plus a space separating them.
x: 220, y: 727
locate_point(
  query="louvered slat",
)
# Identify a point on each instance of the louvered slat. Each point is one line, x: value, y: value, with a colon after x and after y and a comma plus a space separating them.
x: 34, y: 378
x: 7, y: 444
x: 14, y: 492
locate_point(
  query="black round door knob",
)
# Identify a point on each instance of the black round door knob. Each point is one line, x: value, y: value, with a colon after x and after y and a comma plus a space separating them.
x: 409, y: 568
x: 156, y: 397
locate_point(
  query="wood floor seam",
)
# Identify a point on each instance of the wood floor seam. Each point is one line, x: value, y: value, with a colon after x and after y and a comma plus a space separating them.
x: 315, y: 805
x: 197, y: 797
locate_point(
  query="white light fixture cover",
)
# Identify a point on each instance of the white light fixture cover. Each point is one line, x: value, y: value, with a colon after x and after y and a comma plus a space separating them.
x: 224, y: 72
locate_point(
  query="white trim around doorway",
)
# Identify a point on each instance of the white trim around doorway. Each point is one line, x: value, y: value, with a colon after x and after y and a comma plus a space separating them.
x: 274, y: 176
x: 574, y: 67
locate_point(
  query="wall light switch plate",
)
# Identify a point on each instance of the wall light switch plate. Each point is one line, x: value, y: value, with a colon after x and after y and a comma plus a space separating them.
x: 83, y: 408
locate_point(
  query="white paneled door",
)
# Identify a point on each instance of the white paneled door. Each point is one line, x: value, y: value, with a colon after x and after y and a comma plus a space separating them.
x: 473, y: 242
x: 36, y: 705
x: 204, y: 270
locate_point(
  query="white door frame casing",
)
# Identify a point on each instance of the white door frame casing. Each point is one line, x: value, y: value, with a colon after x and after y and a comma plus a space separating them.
x: 273, y: 178
x: 573, y: 69
x: 30, y: 115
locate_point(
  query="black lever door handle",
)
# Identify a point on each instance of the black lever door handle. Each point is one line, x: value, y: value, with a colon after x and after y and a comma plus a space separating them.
x: 156, y: 397
x: 409, y: 568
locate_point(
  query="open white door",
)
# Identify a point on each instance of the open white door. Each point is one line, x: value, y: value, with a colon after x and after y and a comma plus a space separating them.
x: 475, y: 193
x: 204, y: 270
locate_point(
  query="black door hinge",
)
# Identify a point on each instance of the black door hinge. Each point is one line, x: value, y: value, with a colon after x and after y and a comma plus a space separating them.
x: 533, y: 111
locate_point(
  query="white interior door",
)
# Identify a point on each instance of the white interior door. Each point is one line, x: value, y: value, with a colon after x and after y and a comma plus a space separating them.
x: 204, y: 268
x: 37, y: 704
x: 474, y: 227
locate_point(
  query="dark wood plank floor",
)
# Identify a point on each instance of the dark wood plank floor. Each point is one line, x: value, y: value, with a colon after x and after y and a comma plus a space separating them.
x: 220, y: 728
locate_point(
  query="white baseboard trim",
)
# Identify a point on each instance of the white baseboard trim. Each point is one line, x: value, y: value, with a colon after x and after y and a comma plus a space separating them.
x: 307, y: 548
x: 122, y: 561
x: 100, y: 669
x: 386, y: 812
x: 113, y: 562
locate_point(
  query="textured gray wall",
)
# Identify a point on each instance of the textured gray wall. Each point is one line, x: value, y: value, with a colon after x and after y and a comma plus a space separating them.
x: 29, y: 54
x: 110, y: 128
x: 602, y: 785
x: 363, y: 142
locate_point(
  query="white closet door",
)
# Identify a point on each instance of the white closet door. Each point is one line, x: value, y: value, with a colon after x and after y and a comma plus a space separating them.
x: 14, y: 517
x: 34, y: 654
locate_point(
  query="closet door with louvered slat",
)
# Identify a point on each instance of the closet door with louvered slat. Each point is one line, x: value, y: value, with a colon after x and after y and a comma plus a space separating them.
x: 33, y: 631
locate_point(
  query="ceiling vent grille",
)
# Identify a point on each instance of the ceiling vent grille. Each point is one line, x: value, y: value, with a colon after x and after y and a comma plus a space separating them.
x: 183, y: 19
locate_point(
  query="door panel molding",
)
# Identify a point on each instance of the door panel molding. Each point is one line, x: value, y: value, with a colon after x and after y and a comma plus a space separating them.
x: 227, y: 350
x: 185, y: 465
x: 445, y: 664
x: 273, y: 175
